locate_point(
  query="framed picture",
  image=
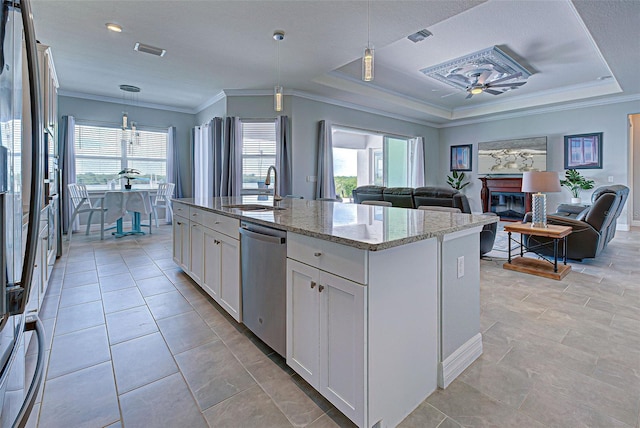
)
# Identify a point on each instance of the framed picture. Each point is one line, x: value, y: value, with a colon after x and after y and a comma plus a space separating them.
x: 583, y: 151
x: 512, y: 156
x: 461, y: 158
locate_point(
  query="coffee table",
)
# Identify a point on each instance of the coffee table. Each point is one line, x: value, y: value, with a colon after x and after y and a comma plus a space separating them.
x: 540, y: 267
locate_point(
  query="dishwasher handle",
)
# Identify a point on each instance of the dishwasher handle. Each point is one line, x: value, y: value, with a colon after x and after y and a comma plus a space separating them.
x: 262, y: 237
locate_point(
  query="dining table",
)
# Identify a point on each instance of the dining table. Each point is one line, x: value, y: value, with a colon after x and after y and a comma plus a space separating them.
x: 118, y: 202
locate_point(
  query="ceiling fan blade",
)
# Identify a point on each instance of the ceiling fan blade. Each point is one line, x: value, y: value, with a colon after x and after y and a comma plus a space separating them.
x: 513, y: 76
x: 448, y: 95
x: 483, y: 77
x: 505, y: 85
x: 492, y: 92
x: 468, y: 96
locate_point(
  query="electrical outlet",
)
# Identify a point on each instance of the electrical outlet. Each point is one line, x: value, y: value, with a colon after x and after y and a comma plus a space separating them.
x: 460, y: 266
x: 311, y: 178
x: 610, y: 179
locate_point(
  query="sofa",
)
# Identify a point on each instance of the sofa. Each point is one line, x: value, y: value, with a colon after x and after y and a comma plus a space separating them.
x: 408, y: 197
x: 593, y: 226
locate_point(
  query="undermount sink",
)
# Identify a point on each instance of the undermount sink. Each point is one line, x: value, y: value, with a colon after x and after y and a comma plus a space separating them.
x: 254, y: 207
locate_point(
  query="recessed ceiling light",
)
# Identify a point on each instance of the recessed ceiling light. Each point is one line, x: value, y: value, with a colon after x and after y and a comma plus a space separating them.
x: 113, y: 27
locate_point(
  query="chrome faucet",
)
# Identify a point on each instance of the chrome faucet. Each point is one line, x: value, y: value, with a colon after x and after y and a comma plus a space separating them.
x: 267, y: 181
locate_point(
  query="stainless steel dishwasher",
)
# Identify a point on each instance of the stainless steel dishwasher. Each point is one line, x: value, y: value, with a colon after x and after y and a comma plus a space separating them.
x: 264, y: 259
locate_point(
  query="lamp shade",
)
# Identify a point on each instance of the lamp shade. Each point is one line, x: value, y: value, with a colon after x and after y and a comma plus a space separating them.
x: 540, y: 181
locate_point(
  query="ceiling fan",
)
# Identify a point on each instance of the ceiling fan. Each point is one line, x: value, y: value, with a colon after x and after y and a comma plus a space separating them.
x: 480, y: 85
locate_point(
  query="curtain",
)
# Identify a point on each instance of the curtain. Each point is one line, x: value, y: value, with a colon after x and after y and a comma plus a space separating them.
x: 325, y: 185
x: 231, y: 180
x: 216, y: 127
x: 417, y: 162
x: 68, y: 166
x: 202, y: 161
x: 283, y: 156
x: 173, y: 167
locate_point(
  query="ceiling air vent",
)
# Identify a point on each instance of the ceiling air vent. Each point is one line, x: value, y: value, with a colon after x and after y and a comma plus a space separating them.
x: 419, y: 36
x: 149, y: 49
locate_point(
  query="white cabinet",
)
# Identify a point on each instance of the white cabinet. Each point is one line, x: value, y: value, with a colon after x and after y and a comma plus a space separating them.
x: 207, y: 247
x: 181, y: 242
x: 230, y: 285
x: 326, y: 335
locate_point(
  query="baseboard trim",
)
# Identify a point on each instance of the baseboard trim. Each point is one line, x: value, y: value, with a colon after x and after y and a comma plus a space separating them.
x: 457, y: 362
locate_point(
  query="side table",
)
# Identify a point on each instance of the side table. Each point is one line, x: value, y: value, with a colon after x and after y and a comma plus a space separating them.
x: 543, y: 267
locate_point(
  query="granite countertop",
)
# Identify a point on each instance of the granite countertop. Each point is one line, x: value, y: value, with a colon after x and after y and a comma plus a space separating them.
x: 366, y: 227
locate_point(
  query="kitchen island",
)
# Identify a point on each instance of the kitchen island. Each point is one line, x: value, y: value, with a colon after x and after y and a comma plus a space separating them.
x: 382, y: 303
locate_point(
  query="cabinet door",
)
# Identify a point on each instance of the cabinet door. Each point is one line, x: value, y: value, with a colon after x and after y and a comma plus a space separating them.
x: 181, y: 240
x: 196, y: 259
x: 211, y: 258
x: 230, y: 287
x: 303, y: 354
x: 342, y: 344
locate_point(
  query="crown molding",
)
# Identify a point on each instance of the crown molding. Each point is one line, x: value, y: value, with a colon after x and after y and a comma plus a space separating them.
x: 547, y: 109
x: 113, y: 100
x: 219, y: 96
x: 326, y: 100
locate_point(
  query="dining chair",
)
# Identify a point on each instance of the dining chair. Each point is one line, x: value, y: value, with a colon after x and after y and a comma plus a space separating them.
x: 438, y: 208
x: 82, y: 204
x: 162, y: 199
x: 378, y: 203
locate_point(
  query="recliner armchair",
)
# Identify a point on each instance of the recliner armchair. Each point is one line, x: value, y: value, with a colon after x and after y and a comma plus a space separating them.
x: 593, y: 227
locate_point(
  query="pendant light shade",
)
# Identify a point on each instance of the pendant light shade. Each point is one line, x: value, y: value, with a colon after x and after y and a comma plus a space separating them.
x: 277, y: 98
x: 367, y: 56
x: 367, y: 65
x: 125, y: 121
x: 278, y: 94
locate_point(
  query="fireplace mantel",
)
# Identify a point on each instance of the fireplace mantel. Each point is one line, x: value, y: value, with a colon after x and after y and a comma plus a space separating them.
x: 502, y: 184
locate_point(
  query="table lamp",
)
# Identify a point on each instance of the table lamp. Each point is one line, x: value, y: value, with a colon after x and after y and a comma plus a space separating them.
x: 536, y: 182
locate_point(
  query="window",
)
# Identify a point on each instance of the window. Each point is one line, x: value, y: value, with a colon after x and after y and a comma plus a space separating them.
x: 101, y: 152
x: 365, y: 158
x: 258, y: 153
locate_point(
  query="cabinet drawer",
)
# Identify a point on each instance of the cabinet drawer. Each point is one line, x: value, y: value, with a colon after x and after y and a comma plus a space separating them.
x: 226, y: 225
x: 341, y: 260
x: 196, y: 215
x: 180, y: 209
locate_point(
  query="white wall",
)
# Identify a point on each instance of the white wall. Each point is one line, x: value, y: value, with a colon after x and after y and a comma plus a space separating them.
x: 100, y: 111
x: 217, y: 109
x: 609, y: 119
x: 306, y: 115
x: 635, y: 141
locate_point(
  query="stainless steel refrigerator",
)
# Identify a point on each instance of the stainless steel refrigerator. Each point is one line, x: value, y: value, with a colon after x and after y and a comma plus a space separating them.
x: 19, y: 218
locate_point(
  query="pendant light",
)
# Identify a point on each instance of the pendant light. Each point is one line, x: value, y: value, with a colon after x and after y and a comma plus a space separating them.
x: 367, y: 57
x: 132, y: 136
x: 278, y: 95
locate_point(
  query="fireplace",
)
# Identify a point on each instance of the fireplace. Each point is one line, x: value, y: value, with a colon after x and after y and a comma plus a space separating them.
x: 504, y: 197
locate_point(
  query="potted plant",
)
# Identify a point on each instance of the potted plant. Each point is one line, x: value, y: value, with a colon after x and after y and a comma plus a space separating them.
x: 129, y: 174
x: 456, y: 180
x: 576, y: 183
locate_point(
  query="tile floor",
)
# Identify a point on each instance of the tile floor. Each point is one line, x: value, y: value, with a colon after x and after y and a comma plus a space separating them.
x: 133, y: 342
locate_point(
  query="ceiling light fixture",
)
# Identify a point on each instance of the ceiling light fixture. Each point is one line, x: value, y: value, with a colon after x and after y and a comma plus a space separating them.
x: 113, y: 27
x: 367, y: 57
x: 490, y: 70
x: 129, y: 136
x: 278, y: 94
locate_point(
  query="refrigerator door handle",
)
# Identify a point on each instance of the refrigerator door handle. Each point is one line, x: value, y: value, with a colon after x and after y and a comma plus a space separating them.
x: 32, y: 323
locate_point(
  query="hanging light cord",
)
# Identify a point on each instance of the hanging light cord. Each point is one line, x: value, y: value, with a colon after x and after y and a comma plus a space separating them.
x: 368, y: 23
